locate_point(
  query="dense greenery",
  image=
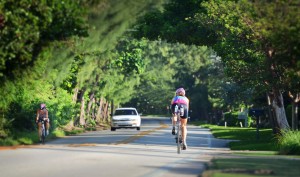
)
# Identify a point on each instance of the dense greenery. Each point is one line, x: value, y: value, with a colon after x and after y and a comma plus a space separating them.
x: 69, y: 55
x: 248, y: 36
x: 171, y: 66
x: 289, y: 143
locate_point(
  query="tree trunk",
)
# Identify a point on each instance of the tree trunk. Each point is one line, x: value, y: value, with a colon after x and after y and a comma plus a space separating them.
x: 105, y: 112
x: 82, y: 105
x: 88, y: 110
x: 295, y: 100
x: 271, y: 114
x: 279, y: 110
x: 99, y: 111
x: 82, y: 113
x: 112, y: 107
x: 74, y: 99
x: 294, y: 116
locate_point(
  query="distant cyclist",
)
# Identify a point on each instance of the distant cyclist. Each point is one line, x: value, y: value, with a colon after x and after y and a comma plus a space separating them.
x: 42, y: 114
x: 180, y: 100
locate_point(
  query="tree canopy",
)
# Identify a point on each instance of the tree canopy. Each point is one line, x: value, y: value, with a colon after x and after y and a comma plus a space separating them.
x: 256, y: 40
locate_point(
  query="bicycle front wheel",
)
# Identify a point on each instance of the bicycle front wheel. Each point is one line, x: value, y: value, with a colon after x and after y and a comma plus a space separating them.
x: 43, y: 134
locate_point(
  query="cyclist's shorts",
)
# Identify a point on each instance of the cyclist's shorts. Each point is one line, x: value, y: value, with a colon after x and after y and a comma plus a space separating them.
x: 41, y: 120
x: 185, y: 112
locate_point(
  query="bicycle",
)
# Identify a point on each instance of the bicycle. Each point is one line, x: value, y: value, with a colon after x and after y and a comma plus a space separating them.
x: 44, y: 131
x: 178, y: 138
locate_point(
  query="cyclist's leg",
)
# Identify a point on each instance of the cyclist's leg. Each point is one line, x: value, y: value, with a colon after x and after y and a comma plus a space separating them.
x: 47, y: 127
x: 40, y: 130
x: 183, y: 128
x: 174, y: 119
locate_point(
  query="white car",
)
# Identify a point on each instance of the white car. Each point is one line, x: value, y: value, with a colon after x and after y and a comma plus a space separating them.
x: 125, y: 118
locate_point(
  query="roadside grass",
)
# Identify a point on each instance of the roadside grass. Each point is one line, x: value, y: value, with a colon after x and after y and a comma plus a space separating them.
x: 29, y: 138
x: 253, y: 166
x: 20, y: 138
x: 255, y: 154
x: 248, y: 138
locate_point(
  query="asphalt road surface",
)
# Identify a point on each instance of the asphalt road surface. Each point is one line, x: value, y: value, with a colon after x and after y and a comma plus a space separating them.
x: 150, y: 152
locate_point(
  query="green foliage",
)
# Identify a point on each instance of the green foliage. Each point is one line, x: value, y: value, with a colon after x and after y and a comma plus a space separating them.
x: 130, y: 57
x: 173, y: 24
x: 169, y: 66
x: 20, y: 138
x: 58, y: 133
x: 28, y: 26
x: 289, y: 143
x: 252, y: 42
x: 5, y: 126
x: 232, y: 119
x: 207, y: 82
x: 8, y: 142
x: 46, y: 54
x: 247, y: 35
x: 61, y: 109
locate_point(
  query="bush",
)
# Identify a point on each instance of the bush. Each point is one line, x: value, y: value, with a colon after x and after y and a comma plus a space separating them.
x: 289, y: 143
x: 8, y: 142
x: 231, y: 118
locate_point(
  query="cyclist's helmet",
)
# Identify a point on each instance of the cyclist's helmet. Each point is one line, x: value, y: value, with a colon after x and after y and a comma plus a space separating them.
x: 180, y: 92
x: 43, y: 105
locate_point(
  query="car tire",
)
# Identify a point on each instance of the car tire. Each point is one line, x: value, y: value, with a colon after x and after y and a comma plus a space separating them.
x: 138, y: 128
x: 112, y: 129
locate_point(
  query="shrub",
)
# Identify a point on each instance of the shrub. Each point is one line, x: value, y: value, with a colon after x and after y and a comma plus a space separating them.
x: 289, y: 143
x: 8, y: 142
x: 231, y: 118
x: 25, y: 140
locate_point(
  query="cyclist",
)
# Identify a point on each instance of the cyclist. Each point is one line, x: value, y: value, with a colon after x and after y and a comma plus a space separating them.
x: 180, y: 100
x: 42, y: 114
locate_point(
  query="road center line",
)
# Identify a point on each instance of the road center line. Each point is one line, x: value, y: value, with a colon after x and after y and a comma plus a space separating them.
x: 137, y: 136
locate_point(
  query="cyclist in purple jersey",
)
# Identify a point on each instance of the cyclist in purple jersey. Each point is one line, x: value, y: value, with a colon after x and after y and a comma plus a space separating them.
x: 180, y: 100
x: 42, y: 114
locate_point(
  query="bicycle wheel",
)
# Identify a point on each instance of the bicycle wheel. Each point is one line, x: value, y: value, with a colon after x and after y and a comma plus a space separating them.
x: 179, y: 136
x: 178, y: 140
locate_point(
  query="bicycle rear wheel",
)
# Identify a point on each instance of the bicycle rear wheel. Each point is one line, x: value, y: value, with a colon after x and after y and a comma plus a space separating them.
x: 178, y: 143
x: 179, y: 137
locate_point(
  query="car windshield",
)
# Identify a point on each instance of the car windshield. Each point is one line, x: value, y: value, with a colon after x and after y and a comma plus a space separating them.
x: 125, y: 112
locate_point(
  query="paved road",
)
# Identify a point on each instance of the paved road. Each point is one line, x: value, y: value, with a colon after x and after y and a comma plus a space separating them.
x: 150, y: 152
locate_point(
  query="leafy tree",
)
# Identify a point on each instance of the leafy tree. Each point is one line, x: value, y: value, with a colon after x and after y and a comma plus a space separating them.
x: 164, y: 74
x: 249, y: 43
x: 247, y: 35
x: 27, y: 26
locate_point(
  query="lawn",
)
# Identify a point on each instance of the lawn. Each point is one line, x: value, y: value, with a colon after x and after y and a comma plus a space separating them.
x: 253, y: 166
x: 249, y: 138
x: 255, y: 154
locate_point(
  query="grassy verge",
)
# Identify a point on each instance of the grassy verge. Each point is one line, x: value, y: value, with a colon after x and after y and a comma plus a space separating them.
x: 29, y: 138
x: 249, y: 138
x: 261, y: 156
x: 253, y: 166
